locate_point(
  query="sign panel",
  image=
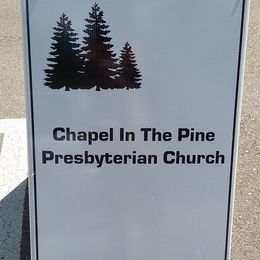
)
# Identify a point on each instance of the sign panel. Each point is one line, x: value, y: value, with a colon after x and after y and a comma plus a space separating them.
x: 133, y: 111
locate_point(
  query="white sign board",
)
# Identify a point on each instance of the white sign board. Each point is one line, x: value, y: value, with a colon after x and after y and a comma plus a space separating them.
x: 133, y: 110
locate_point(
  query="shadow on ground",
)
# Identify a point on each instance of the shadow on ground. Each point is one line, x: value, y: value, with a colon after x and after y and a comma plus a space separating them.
x: 14, y: 224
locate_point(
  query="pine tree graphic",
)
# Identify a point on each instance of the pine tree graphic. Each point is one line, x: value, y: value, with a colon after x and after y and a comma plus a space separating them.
x: 129, y: 76
x: 65, y: 62
x: 99, y: 60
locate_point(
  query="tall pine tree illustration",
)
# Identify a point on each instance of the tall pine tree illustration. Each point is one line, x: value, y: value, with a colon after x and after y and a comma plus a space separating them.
x: 99, y: 60
x: 129, y: 76
x: 65, y: 61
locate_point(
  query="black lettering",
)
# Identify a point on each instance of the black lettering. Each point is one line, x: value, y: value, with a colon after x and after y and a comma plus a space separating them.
x: 103, y: 136
x: 82, y: 136
x: 210, y: 136
x: 146, y: 131
x: 56, y: 137
x: 118, y: 159
x: 70, y: 135
x: 168, y: 157
x: 89, y: 158
x: 220, y: 158
x: 210, y: 159
x: 47, y: 156
x: 183, y: 133
x: 92, y: 136
x: 152, y: 159
x: 78, y: 159
x: 200, y: 157
x: 68, y: 159
x: 57, y: 157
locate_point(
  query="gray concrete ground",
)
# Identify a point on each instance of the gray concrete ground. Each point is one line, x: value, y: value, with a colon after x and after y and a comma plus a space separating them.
x: 13, y: 214
x: 246, y: 230
x: 246, y: 235
x: 12, y: 103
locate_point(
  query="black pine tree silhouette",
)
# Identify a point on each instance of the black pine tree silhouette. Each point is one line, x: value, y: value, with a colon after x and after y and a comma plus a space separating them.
x: 129, y: 76
x: 65, y: 62
x: 99, y: 60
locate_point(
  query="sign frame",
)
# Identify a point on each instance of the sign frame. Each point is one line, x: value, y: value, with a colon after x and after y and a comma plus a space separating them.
x: 32, y: 172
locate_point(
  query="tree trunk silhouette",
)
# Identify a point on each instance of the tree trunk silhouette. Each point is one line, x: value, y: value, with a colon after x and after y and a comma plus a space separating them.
x: 129, y: 76
x: 65, y: 60
x: 100, y: 65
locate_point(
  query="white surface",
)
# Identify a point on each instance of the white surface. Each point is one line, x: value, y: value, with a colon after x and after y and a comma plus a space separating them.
x: 13, y: 172
x: 134, y: 212
x: 13, y: 156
